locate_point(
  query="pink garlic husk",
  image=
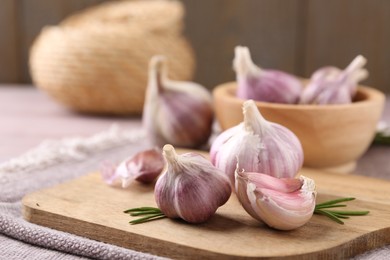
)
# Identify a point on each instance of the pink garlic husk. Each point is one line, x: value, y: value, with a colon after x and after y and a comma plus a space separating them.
x: 262, y: 84
x: 144, y: 167
x: 176, y: 112
x: 259, y: 145
x: 330, y: 85
x: 283, y: 204
x: 190, y: 187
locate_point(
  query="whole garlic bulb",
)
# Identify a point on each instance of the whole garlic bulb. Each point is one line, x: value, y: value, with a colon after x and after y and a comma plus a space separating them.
x: 261, y: 84
x: 176, y: 112
x: 330, y: 85
x: 259, y: 146
x: 190, y: 188
x: 283, y: 204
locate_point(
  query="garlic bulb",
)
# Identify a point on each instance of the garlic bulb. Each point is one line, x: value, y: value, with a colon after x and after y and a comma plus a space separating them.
x: 190, y: 188
x: 144, y: 167
x: 261, y: 84
x: 176, y: 112
x: 330, y: 85
x: 283, y: 204
x: 259, y: 145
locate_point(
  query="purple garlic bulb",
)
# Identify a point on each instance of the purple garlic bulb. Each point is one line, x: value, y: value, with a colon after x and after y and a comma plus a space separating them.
x: 261, y: 84
x: 190, y: 187
x: 259, y: 146
x: 176, y: 112
x: 330, y: 85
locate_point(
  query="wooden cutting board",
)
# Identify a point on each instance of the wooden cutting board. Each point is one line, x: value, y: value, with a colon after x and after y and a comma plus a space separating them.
x: 89, y: 208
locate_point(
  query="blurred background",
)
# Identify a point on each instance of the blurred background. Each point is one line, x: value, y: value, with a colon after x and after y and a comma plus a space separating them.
x: 297, y: 36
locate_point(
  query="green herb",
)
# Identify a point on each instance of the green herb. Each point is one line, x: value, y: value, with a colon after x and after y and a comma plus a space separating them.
x: 382, y: 138
x: 147, y: 213
x: 325, y: 209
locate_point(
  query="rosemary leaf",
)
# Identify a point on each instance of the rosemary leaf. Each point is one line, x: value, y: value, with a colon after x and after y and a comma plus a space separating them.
x: 141, y: 213
x: 349, y: 213
x: 330, y: 206
x: 329, y: 215
x: 142, y: 209
x: 381, y: 138
x: 147, y: 218
x: 332, y: 202
x: 339, y: 215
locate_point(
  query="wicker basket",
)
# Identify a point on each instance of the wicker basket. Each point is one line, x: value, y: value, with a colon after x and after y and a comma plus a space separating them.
x: 96, y: 61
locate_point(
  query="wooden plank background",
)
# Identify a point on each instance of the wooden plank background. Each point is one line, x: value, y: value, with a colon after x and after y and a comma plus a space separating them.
x: 297, y: 36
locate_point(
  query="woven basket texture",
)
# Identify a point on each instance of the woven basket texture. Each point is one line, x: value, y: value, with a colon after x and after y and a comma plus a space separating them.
x: 96, y: 61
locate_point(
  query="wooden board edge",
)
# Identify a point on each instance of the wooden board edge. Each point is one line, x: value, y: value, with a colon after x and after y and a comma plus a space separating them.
x: 94, y: 231
x: 33, y: 214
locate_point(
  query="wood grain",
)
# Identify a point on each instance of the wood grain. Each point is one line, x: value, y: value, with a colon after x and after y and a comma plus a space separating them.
x: 268, y: 28
x: 337, y: 31
x: 9, y: 42
x: 297, y: 36
x: 89, y: 208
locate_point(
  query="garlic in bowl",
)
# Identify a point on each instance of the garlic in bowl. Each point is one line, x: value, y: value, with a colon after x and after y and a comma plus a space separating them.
x: 332, y: 136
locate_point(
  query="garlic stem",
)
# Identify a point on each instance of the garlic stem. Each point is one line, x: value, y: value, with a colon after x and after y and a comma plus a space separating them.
x: 158, y: 74
x: 355, y: 71
x: 356, y: 64
x: 253, y: 120
x: 170, y: 153
x: 243, y: 63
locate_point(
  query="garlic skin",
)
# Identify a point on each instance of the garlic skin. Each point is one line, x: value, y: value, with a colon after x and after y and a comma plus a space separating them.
x: 259, y: 146
x: 261, y: 84
x: 176, y: 112
x: 190, y: 188
x: 144, y: 167
x: 330, y: 85
x: 283, y: 204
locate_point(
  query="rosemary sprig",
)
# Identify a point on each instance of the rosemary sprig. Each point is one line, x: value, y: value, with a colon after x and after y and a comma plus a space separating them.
x: 382, y: 135
x: 381, y: 138
x: 325, y: 209
x: 148, y: 213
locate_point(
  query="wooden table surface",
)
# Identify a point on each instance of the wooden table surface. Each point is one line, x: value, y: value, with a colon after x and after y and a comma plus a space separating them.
x: 28, y: 117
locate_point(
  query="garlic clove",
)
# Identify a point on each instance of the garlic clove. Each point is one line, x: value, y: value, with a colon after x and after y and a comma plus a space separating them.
x: 259, y: 146
x: 108, y: 173
x: 144, y: 167
x: 261, y: 84
x: 282, y: 204
x: 176, y: 112
x: 190, y: 188
x: 220, y: 140
x: 326, y: 74
x: 330, y: 85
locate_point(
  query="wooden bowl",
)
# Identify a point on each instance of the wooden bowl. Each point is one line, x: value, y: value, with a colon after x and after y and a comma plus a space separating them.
x: 332, y: 136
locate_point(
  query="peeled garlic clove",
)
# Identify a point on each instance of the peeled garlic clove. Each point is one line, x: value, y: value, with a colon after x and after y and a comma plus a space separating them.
x: 259, y: 146
x: 330, y: 85
x: 261, y: 84
x: 176, y: 112
x: 282, y: 204
x: 190, y: 188
x: 144, y: 167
